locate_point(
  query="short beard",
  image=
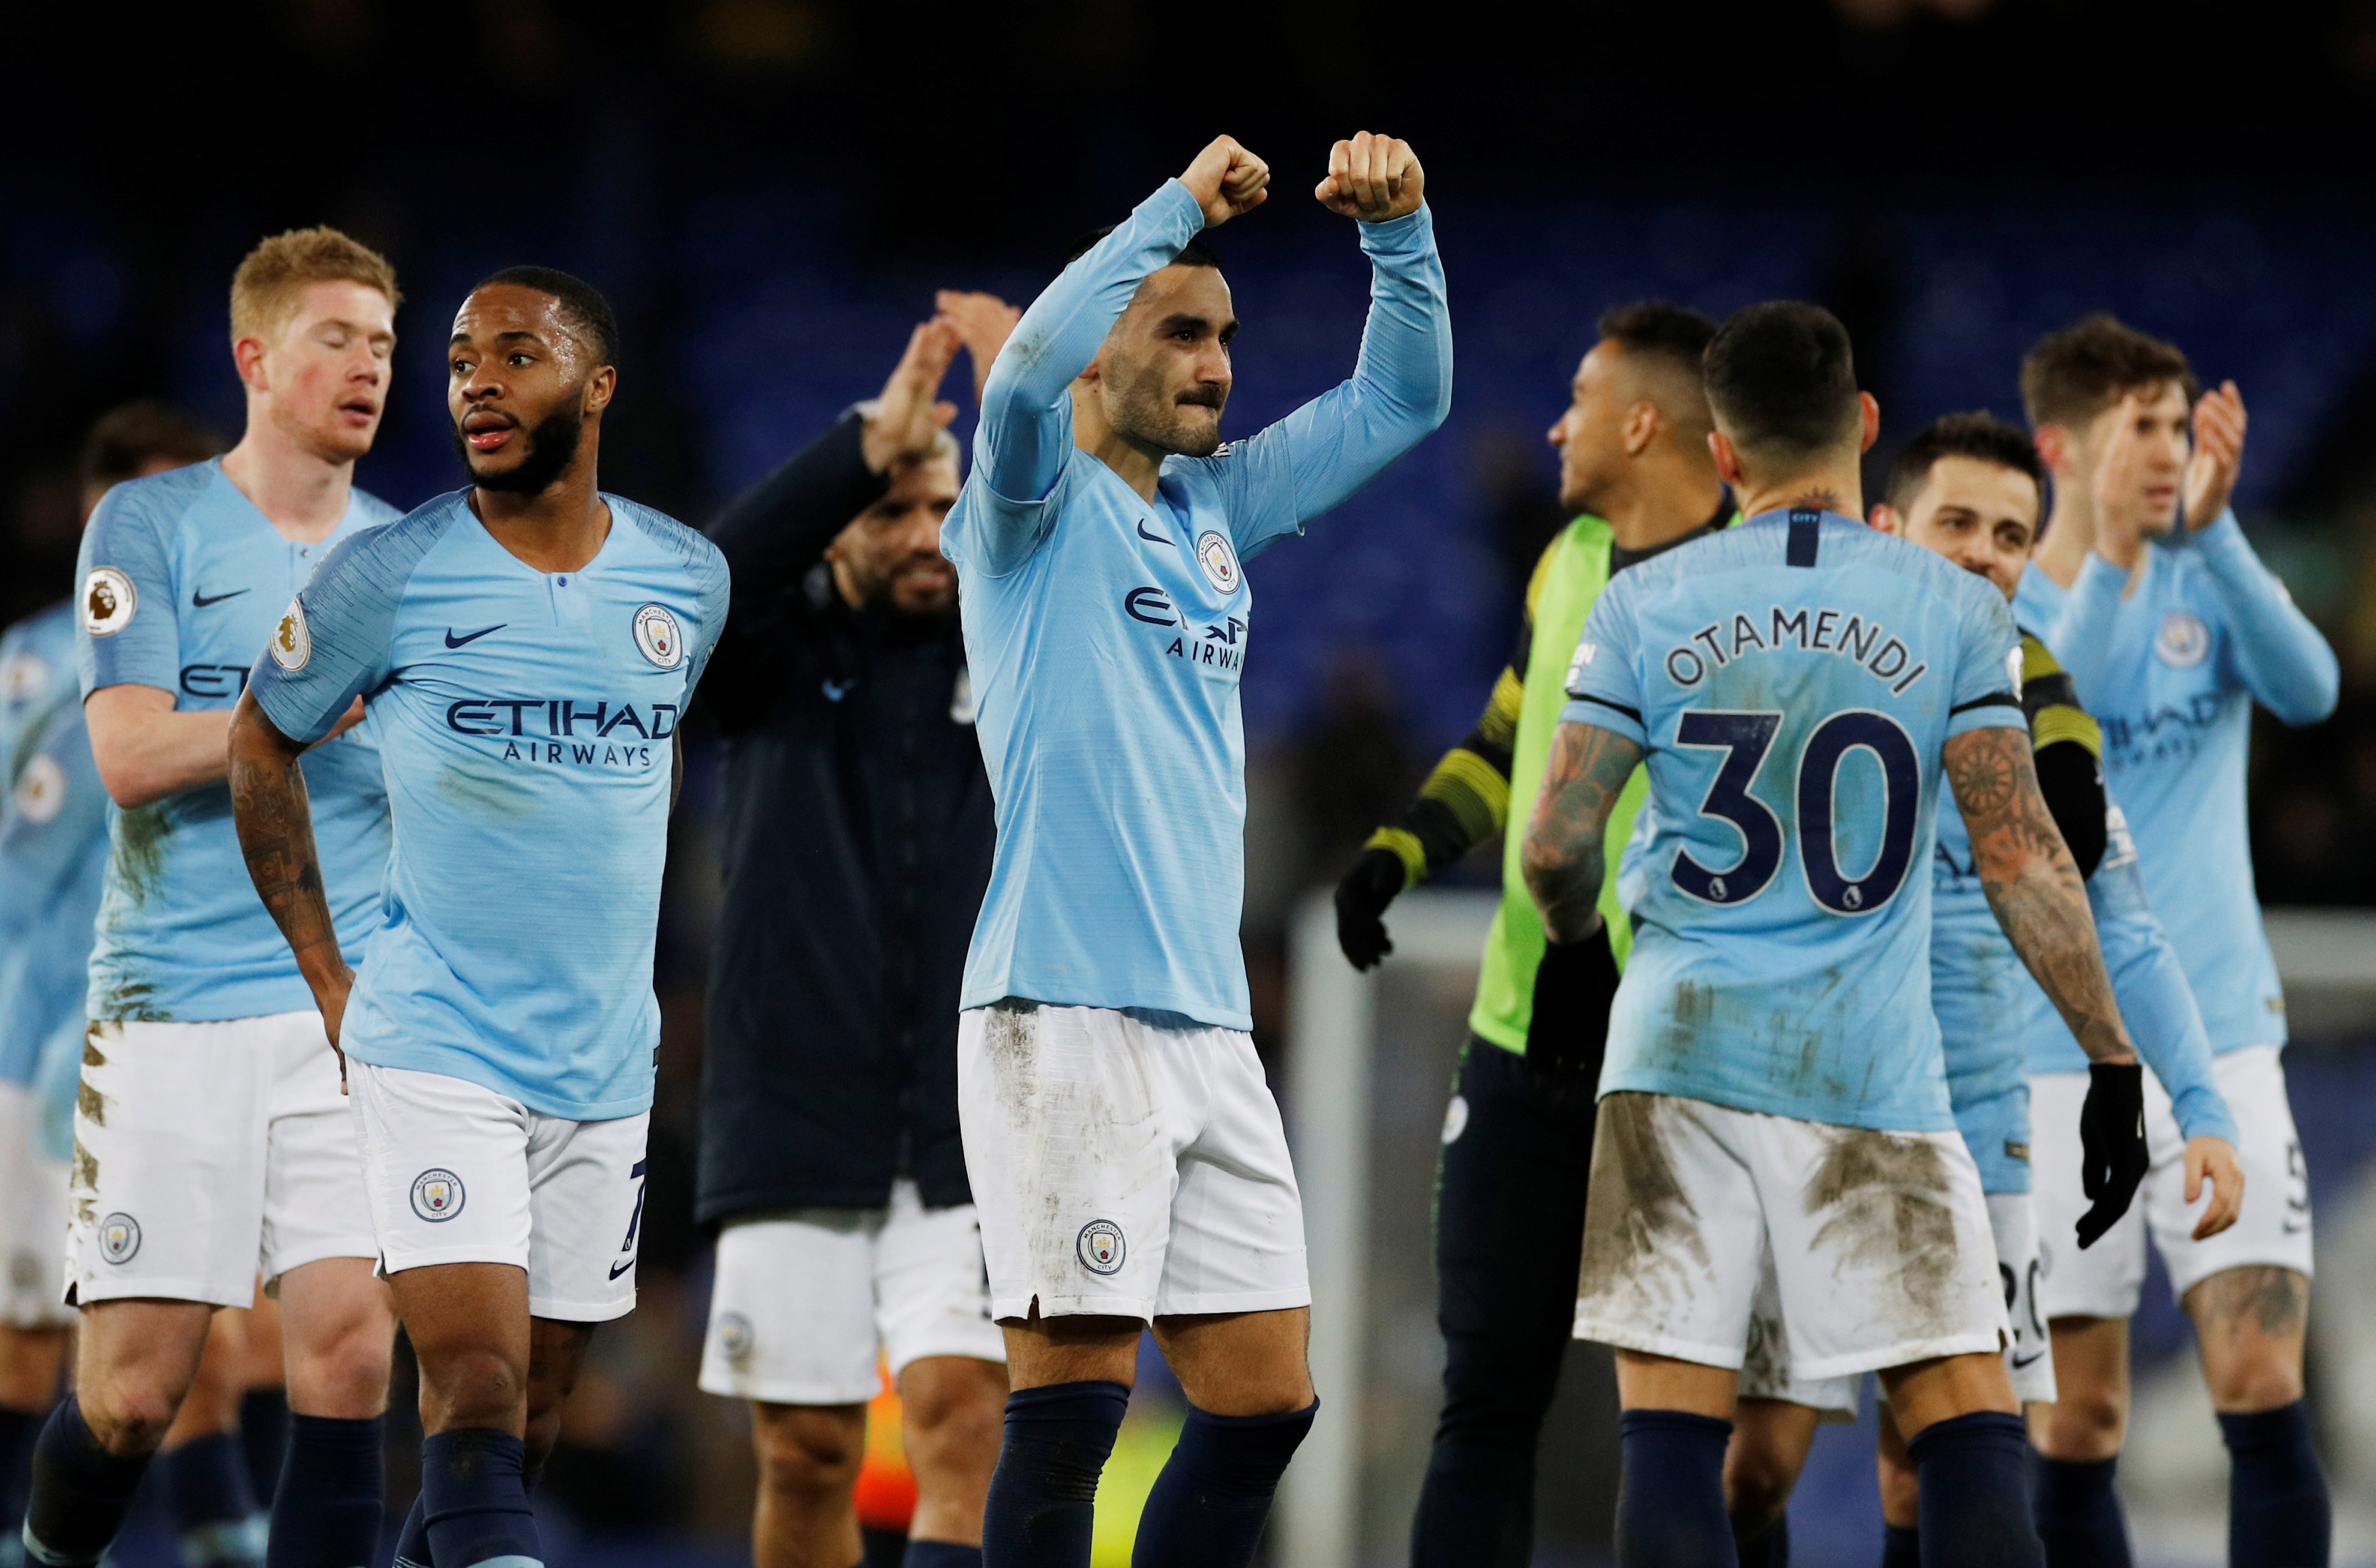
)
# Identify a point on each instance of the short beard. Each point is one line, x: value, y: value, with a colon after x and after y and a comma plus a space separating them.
x: 1149, y: 416
x: 552, y: 446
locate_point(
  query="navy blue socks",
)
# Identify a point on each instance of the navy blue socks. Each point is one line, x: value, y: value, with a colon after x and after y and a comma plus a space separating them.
x: 326, y: 1512
x: 2278, y: 1511
x: 474, y: 1502
x: 1769, y: 1547
x: 1901, y: 1547
x: 80, y: 1492
x: 214, y: 1503
x: 1040, y: 1513
x: 1210, y: 1505
x: 412, y: 1540
x: 2078, y: 1514
x: 1973, y: 1474
x: 1670, y: 1498
x: 940, y: 1554
x: 18, y: 1429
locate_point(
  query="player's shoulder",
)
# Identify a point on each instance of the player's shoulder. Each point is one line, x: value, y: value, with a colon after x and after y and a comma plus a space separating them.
x: 678, y: 543
x: 156, y: 505
x: 370, y: 511
x: 379, y: 560
x: 1852, y: 543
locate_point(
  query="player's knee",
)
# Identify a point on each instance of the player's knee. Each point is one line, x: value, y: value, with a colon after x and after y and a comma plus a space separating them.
x: 129, y: 1415
x: 344, y: 1374
x: 475, y: 1388
x: 1757, y: 1483
x: 807, y: 1453
x: 956, y: 1428
x: 1901, y: 1491
x: 2261, y: 1381
x: 2083, y: 1423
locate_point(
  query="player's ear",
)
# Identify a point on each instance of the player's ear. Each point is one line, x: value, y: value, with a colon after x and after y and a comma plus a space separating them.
x: 1641, y: 427
x: 601, y: 388
x: 1886, y: 518
x: 2054, y: 448
x: 247, y: 356
x: 1728, y: 461
x: 1868, y: 408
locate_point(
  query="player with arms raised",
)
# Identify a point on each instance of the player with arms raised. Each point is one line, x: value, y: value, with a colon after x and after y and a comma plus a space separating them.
x: 528, y: 644
x: 1773, y: 1085
x: 1124, y: 1151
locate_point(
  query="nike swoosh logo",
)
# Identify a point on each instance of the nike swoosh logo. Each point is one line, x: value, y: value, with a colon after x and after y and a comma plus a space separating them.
x: 1155, y: 537
x: 619, y: 1269
x: 837, y: 690
x: 452, y: 641
x: 2017, y: 1361
x: 199, y: 601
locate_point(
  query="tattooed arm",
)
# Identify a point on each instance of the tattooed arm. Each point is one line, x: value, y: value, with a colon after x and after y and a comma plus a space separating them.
x: 275, y: 834
x: 1563, y: 853
x: 2033, y: 884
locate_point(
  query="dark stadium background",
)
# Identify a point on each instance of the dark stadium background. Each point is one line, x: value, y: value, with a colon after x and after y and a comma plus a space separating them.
x: 770, y: 189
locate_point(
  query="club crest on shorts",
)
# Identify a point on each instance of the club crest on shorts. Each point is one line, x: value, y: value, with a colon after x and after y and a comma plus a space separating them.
x: 438, y: 1195
x: 1100, y: 1247
x: 292, y: 643
x: 735, y: 1337
x: 2184, y: 641
x: 41, y: 789
x: 657, y: 636
x: 22, y: 676
x: 1220, y: 561
x: 119, y: 1238
x: 108, y: 600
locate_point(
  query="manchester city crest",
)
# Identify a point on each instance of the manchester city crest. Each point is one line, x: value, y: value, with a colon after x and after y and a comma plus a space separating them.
x: 2184, y: 641
x: 1219, y: 562
x: 119, y: 1238
x: 657, y: 636
x: 734, y: 1337
x: 438, y: 1195
x: 1100, y: 1247
x: 41, y: 789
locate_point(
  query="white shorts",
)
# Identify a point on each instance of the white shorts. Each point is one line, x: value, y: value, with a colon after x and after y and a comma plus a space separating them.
x: 2013, y: 1221
x: 33, y: 1220
x: 806, y: 1298
x: 1879, y: 1241
x: 2107, y: 1279
x: 1125, y: 1168
x: 207, y: 1154
x: 459, y: 1173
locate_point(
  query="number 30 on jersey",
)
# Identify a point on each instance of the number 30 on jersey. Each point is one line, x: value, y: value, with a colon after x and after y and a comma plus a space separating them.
x: 1745, y: 738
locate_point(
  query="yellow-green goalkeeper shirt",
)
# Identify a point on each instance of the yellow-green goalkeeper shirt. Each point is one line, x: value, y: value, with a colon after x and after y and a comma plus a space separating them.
x: 1468, y: 797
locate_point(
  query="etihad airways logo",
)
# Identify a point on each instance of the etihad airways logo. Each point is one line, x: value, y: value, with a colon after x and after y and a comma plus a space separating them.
x: 1220, y: 645
x: 558, y: 730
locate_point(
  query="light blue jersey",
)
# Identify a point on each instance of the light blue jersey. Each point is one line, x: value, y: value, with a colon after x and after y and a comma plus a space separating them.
x: 183, y: 580
x: 53, y: 840
x: 529, y: 722
x: 2172, y: 673
x: 1107, y: 634
x: 1791, y: 682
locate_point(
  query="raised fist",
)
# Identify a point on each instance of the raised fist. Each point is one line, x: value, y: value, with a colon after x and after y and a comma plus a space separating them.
x: 1226, y: 180
x: 1372, y: 178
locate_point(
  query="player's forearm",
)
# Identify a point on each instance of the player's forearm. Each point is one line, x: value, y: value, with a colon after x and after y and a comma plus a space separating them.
x: 1563, y: 854
x: 2286, y: 663
x: 2159, y: 1010
x: 1023, y: 441
x: 274, y: 822
x: 146, y: 751
x: 2082, y: 633
x: 776, y: 530
x: 2032, y: 885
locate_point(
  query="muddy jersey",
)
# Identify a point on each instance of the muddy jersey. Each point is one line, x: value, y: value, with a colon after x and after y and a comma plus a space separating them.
x: 1106, y: 633
x: 183, y: 580
x: 1791, y: 683
x: 528, y: 721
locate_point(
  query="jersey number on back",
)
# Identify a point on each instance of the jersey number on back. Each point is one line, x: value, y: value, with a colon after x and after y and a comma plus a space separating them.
x: 1745, y: 738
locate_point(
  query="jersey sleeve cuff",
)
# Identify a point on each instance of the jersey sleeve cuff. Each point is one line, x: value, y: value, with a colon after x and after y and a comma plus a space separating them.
x: 1604, y: 713
x: 2223, y: 545
x: 1412, y: 233
x: 282, y: 706
x: 2202, y: 1114
x: 1986, y: 714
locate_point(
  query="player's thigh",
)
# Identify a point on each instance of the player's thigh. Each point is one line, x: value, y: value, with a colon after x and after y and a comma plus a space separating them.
x: 1881, y: 1245
x: 1073, y: 1127
x: 931, y: 1288
x: 1250, y: 1363
x: 338, y: 1332
x: 135, y: 1359
x: 34, y: 1221
x: 2029, y: 1354
x: 791, y: 1313
x: 2104, y: 1280
x: 1673, y: 1232
x: 315, y: 1206
x: 2273, y: 1229
x: 1236, y: 1241
x: 1509, y: 1220
x: 169, y: 1173
x: 470, y: 1328
x: 586, y: 1187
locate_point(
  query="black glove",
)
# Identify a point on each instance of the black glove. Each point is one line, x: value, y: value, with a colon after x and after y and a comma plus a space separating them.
x: 2113, y: 1145
x: 1361, y: 899
x: 1569, y: 1031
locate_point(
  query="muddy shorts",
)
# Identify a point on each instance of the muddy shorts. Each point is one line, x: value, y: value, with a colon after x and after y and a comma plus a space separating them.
x: 208, y: 1153
x: 1124, y: 1168
x: 1879, y: 1241
x: 33, y: 1222
x: 2107, y: 1279
x: 805, y: 1297
x: 1765, y: 1374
